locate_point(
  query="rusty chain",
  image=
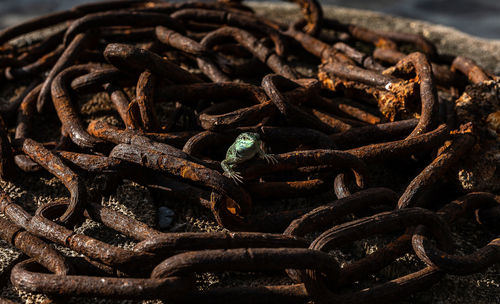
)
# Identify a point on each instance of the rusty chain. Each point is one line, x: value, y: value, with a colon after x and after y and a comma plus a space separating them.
x: 331, y: 124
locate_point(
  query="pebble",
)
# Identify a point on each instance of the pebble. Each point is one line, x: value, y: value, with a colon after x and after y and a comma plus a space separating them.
x: 165, y: 217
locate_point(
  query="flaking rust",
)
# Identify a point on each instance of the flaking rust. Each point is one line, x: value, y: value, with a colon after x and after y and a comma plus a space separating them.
x: 480, y: 104
x: 206, y: 104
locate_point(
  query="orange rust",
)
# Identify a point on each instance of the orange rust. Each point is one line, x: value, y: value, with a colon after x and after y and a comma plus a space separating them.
x: 385, y: 43
x: 467, y: 128
x: 187, y: 172
x: 493, y: 121
x: 392, y: 104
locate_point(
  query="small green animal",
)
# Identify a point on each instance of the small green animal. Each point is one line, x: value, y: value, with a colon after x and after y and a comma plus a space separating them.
x: 245, y: 147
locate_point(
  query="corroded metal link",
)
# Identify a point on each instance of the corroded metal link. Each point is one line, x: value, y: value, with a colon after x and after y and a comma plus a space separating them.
x: 236, y: 19
x: 102, y: 19
x: 171, y: 243
x: 287, y: 189
x: 53, y: 164
x: 145, y: 93
x: 247, y: 259
x: 187, y: 170
x: 91, y: 162
x: 358, y: 74
x: 313, y: 14
x: 323, y: 216
x: 488, y: 217
x: 95, y: 249
x: 110, y: 218
x: 344, y: 186
x: 444, y: 76
x: 470, y: 69
x: 33, y: 247
x: 251, y: 43
x: 472, y: 263
x: 402, y: 148
x: 65, y: 108
x: 419, y: 41
x: 34, y: 68
x: 375, y: 261
x: 330, y: 159
x: 434, y: 171
x: 178, y: 41
x: 131, y: 59
x: 428, y: 94
x: 356, y: 137
x: 113, y: 134
x: 258, y: 114
x: 390, y: 93
x: 67, y: 58
x: 274, y: 85
x: 347, y: 108
x: 338, y: 51
x: 283, y: 138
x: 190, y: 94
x: 121, y: 102
x: 379, y: 223
x: 333, y: 212
x: 59, y: 17
x: 28, y: 276
x: 360, y: 33
x: 204, y: 57
x: 382, y: 223
x: 391, y: 290
x: 185, y: 81
x: 455, y: 264
x: 95, y: 80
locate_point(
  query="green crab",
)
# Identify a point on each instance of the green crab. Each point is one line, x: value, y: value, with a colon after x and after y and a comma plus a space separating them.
x: 245, y: 147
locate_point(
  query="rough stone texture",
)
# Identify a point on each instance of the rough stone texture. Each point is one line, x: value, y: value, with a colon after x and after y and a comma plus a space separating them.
x: 32, y: 190
x: 480, y: 103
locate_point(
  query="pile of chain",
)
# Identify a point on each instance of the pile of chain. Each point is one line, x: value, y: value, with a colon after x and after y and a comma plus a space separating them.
x: 220, y: 70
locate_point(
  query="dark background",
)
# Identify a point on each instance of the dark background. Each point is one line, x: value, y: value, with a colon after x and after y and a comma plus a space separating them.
x: 476, y: 17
